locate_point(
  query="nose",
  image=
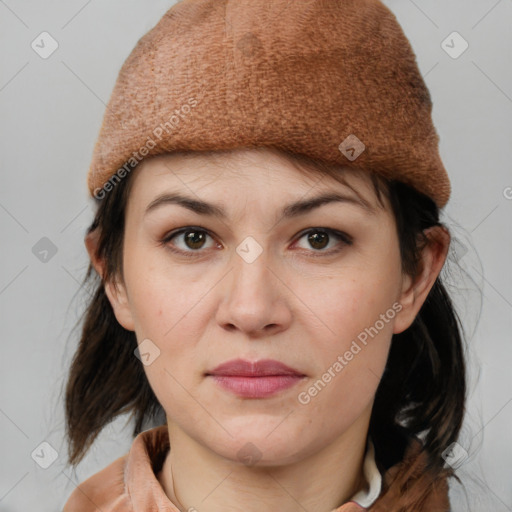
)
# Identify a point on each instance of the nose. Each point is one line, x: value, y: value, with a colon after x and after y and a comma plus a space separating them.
x: 254, y: 300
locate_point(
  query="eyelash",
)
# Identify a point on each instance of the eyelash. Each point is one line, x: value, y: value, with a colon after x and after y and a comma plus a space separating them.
x: 345, y: 239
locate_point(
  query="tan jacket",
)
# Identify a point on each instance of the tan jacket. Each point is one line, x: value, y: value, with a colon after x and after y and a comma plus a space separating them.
x: 130, y: 484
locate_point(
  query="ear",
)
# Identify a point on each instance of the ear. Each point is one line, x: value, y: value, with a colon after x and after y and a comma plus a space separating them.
x: 115, y: 290
x: 415, y: 290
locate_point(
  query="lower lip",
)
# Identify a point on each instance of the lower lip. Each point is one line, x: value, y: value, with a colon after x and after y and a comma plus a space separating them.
x: 256, y: 387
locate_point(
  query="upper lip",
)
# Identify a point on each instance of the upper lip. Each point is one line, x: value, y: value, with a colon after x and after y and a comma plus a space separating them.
x: 243, y: 368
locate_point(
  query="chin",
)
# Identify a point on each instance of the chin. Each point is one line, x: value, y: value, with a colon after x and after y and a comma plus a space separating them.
x: 255, y: 447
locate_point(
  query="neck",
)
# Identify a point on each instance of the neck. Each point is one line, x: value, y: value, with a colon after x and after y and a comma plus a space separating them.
x: 196, y: 478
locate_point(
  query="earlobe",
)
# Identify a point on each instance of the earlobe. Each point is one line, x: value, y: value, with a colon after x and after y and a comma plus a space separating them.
x: 415, y: 291
x: 116, y: 292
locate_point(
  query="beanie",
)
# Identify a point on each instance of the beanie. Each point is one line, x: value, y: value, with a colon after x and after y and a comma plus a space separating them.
x: 335, y: 80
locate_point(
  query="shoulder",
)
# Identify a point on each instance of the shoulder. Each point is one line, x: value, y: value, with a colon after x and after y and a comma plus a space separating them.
x: 105, y: 491
x: 128, y: 482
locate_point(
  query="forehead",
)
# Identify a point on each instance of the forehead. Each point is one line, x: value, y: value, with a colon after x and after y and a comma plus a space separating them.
x: 243, y: 171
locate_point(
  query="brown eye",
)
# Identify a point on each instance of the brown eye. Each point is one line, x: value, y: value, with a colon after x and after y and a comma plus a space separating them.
x: 188, y: 240
x: 320, y: 238
x: 194, y: 239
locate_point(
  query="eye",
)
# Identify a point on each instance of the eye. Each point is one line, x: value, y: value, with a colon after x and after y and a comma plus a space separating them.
x: 193, y: 239
x: 319, y: 239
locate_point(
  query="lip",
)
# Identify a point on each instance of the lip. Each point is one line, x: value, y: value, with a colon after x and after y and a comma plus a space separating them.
x: 257, y: 379
x: 262, y: 368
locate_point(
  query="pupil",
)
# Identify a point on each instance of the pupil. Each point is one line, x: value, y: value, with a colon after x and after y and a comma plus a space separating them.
x: 314, y: 237
x: 192, y: 237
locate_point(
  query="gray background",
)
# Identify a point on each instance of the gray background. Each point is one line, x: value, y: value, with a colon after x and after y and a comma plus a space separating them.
x: 51, y: 111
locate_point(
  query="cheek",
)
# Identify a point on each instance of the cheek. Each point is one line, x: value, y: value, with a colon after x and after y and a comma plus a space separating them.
x: 168, y: 307
x: 356, y: 305
x: 352, y: 329
x: 167, y: 310
x: 163, y: 299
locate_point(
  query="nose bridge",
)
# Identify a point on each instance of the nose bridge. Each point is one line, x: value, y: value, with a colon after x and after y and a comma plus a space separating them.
x: 252, y: 299
x: 252, y: 277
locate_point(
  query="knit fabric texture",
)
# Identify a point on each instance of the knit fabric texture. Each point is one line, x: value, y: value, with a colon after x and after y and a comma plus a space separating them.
x: 336, y: 80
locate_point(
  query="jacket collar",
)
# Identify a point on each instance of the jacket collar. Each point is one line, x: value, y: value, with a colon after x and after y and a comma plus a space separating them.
x: 130, y: 484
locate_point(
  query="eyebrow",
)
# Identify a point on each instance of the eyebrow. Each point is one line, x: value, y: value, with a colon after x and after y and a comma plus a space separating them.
x: 291, y: 210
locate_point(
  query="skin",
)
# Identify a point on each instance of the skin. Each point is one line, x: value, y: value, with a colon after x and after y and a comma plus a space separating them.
x: 287, y: 305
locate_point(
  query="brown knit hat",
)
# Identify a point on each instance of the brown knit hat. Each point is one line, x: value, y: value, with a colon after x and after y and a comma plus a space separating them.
x: 335, y: 80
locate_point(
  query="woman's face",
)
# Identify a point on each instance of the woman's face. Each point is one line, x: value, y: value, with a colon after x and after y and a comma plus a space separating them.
x: 247, y: 276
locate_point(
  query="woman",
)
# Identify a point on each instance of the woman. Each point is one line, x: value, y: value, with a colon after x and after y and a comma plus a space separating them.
x: 268, y: 188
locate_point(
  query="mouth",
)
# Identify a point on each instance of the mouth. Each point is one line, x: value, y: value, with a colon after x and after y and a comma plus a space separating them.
x: 258, y: 379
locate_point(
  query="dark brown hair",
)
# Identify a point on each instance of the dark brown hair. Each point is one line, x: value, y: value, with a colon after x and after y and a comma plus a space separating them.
x: 422, y: 391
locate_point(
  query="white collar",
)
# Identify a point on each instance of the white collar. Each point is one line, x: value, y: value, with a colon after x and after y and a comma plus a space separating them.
x: 366, y: 497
